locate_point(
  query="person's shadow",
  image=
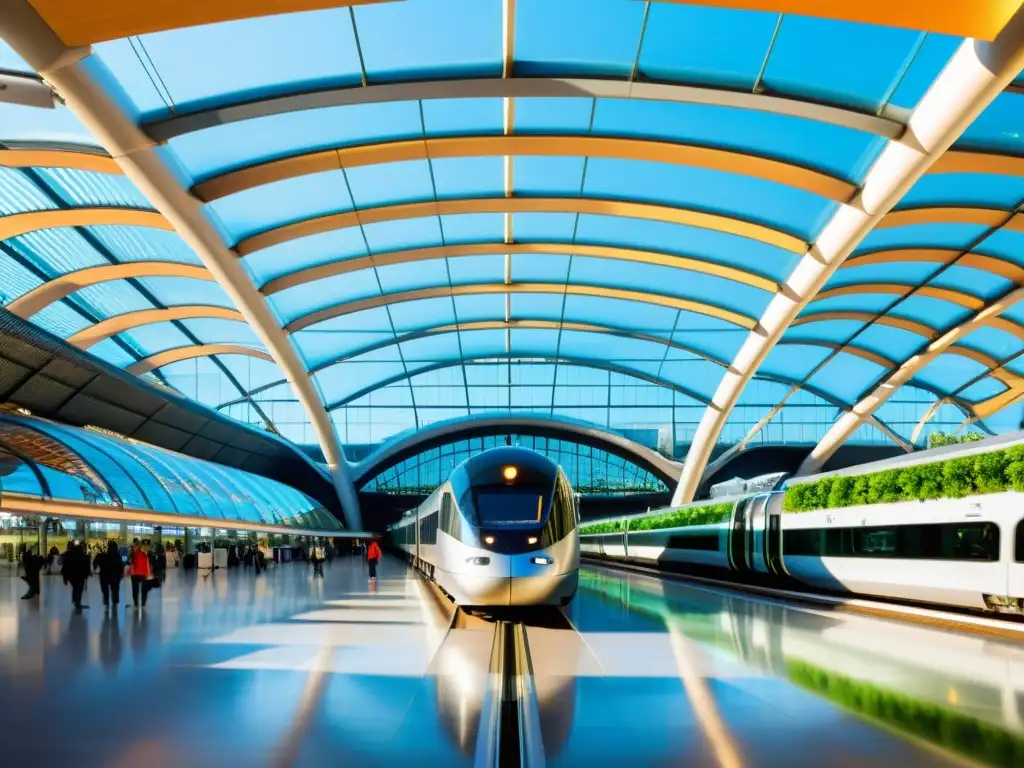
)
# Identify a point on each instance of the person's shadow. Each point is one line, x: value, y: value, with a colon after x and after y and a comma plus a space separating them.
x: 110, y: 642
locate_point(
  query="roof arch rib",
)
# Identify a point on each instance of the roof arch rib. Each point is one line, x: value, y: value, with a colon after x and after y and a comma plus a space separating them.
x: 97, y: 99
x: 22, y: 223
x: 77, y: 26
x: 975, y: 75
x: 583, y: 205
x: 603, y: 365
x: 65, y: 285
x: 85, y: 159
x: 960, y: 298
x: 390, y: 258
x: 994, y: 264
x: 191, y: 352
x: 584, y: 145
x: 476, y: 289
x: 94, y: 334
x: 516, y: 88
x: 403, y: 446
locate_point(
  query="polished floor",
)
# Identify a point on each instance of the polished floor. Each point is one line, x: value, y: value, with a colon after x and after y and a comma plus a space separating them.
x: 283, y: 669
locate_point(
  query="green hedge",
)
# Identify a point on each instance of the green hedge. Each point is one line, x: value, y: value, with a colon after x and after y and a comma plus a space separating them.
x: 950, y: 479
x: 943, y: 727
x: 676, y: 518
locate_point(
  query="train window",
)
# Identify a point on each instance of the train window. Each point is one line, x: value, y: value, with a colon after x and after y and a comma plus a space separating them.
x: 1018, y: 544
x: 943, y: 541
x: 512, y: 506
x: 564, y: 515
x: 701, y: 541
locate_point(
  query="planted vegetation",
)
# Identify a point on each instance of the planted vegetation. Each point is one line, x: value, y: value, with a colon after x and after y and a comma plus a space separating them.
x: 943, y: 727
x: 675, y: 518
x: 991, y: 472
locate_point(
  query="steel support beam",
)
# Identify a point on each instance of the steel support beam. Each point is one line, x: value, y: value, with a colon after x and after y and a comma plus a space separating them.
x: 91, y: 94
x: 511, y: 145
x: 189, y: 353
x: 63, y: 286
x: 717, y: 222
x: 477, y: 289
x: 976, y: 74
x: 520, y: 87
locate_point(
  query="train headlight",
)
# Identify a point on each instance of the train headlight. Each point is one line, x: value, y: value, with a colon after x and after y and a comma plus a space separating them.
x: 542, y: 560
x: 509, y: 473
x: 488, y: 539
x: 531, y: 540
x: 478, y: 560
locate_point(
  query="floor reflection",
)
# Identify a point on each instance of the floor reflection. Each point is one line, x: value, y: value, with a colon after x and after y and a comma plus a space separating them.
x: 944, y: 693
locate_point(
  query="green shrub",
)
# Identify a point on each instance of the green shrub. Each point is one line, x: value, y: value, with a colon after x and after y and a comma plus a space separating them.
x: 939, y: 439
x: 839, y: 495
x: 675, y: 518
x: 930, y: 480
x: 991, y: 472
x: 861, y: 490
x: 946, y: 728
x: 958, y: 477
x: 884, y: 486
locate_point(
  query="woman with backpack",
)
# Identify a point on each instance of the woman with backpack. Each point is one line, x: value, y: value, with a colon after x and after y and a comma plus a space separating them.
x: 372, y: 556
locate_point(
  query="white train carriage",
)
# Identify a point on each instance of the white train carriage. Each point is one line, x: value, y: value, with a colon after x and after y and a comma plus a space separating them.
x: 967, y: 552
x: 501, y: 531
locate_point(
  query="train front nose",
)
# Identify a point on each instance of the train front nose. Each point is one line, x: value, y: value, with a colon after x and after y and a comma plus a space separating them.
x: 487, y: 583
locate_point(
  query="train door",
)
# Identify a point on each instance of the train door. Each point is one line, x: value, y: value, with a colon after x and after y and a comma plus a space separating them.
x: 1015, y: 585
x: 773, y: 539
x: 738, y: 537
x: 756, y: 523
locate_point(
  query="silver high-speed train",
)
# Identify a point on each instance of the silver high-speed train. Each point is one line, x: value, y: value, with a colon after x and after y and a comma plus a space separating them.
x: 502, y: 530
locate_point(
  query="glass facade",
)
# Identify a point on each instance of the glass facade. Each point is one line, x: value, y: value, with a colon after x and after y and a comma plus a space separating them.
x: 49, y: 461
x: 601, y: 251
x: 591, y: 471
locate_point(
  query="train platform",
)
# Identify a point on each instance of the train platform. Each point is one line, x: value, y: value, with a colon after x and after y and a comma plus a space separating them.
x: 284, y: 669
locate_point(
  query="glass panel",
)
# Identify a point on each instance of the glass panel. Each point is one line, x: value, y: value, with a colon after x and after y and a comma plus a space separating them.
x: 68, y: 476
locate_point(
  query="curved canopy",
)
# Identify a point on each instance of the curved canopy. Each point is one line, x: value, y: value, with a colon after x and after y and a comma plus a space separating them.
x: 44, y: 462
x: 750, y: 215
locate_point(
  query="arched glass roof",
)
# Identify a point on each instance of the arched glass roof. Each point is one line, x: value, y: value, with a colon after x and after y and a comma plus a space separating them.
x: 42, y: 461
x: 767, y: 212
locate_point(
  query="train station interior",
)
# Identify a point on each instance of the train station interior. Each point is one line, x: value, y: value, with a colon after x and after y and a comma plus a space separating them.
x: 512, y: 382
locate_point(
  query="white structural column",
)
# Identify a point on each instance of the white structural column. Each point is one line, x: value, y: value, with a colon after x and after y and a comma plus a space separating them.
x: 508, y: 40
x: 975, y: 75
x: 91, y: 93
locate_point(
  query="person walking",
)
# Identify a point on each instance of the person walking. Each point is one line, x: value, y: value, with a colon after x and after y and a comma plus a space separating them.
x: 75, y: 570
x: 31, y: 564
x: 111, y: 569
x: 372, y: 556
x: 140, y: 572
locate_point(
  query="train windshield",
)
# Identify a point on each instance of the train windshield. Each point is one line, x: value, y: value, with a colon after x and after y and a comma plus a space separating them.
x: 510, y: 506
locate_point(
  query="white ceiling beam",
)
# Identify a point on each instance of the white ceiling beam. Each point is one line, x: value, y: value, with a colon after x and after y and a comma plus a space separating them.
x: 975, y: 75
x: 92, y: 95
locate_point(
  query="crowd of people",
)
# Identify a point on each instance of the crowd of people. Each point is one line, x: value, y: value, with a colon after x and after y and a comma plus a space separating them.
x: 145, y: 567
